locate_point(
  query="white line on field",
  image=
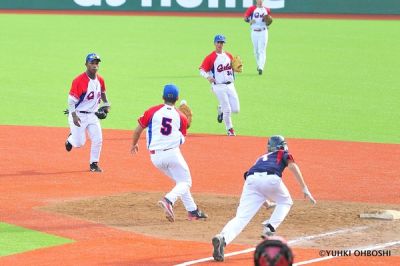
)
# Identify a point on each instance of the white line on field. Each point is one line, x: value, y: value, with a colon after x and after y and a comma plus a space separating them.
x: 305, y: 238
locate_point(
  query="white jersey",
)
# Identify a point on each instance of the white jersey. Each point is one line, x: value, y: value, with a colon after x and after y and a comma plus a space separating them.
x: 257, y: 14
x: 166, y: 127
x: 88, y: 92
x: 219, y: 66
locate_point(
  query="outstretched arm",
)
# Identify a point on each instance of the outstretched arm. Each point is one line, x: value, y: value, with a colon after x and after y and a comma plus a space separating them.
x: 297, y: 173
x: 135, y: 138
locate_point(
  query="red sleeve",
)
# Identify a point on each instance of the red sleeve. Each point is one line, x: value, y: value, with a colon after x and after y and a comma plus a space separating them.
x: 288, y: 158
x: 146, y: 117
x: 184, y: 123
x: 268, y: 11
x: 249, y: 11
x: 79, y: 86
x: 208, y: 62
x: 102, y: 84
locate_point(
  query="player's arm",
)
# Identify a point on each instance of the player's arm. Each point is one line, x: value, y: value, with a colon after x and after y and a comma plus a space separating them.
x: 294, y: 168
x: 206, y: 67
x: 105, y: 101
x: 72, y: 101
x: 135, y: 138
x: 248, y: 15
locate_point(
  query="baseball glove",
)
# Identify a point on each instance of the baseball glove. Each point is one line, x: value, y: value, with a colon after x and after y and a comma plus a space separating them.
x: 102, y: 112
x: 185, y: 109
x: 237, y: 64
x: 267, y: 19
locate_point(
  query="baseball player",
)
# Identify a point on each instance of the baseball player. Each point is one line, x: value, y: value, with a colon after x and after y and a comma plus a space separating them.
x: 217, y: 69
x: 254, y: 15
x: 166, y: 132
x: 263, y: 181
x: 87, y: 90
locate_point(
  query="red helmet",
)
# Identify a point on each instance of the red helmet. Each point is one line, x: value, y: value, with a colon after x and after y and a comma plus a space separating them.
x: 273, y: 251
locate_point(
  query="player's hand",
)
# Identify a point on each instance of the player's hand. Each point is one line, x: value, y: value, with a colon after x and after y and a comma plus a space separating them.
x: 211, y: 79
x: 76, y: 119
x: 307, y: 194
x: 134, y: 149
x: 252, y: 21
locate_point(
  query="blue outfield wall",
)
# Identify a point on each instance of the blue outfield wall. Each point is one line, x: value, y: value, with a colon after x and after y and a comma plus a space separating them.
x: 383, y: 7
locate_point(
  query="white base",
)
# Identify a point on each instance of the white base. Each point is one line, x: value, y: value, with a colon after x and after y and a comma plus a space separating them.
x: 382, y: 214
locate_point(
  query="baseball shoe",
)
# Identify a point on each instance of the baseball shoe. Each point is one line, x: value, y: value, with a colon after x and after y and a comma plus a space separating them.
x: 231, y: 132
x: 166, y: 205
x: 219, y: 244
x: 95, y: 168
x: 268, y: 230
x: 68, y: 146
x: 259, y: 71
x: 196, y: 215
x: 220, y: 116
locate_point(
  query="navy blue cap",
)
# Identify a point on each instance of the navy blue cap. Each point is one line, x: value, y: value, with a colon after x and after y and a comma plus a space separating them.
x: 91, y: 57
x: 171, y: 92
x: 219, y: 38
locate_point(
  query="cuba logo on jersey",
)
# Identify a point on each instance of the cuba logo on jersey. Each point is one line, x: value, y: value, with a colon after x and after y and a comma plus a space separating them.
x: 221, y: 67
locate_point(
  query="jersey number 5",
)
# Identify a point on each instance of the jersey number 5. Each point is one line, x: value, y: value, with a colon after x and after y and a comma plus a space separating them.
x: 166, y: 128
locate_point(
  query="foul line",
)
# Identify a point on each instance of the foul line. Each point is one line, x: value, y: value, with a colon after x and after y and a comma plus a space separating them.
x: 300, y: 239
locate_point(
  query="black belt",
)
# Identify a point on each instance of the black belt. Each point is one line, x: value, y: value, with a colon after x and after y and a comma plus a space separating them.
x: 226, y: 83
x: 84, y: 112
x: 154, y: 152
x: 259, y: 29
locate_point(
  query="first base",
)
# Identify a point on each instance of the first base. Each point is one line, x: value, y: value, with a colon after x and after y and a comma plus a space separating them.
x: 381, y: 214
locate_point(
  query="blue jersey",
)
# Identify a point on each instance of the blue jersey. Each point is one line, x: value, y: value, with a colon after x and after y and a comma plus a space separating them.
x: 272, y: 163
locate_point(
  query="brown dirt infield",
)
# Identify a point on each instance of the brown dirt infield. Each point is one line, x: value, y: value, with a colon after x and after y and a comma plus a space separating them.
x: 114, y: 220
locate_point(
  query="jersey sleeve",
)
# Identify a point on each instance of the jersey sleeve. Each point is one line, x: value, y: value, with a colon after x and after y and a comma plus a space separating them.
x: 146, y: 117
x: 288, y: 158
x: 208, y: 62
x: 77, y: 88
x: 229, y: 55
x: 102, y: 83
x: 249, y: 11
x: 268, y: 10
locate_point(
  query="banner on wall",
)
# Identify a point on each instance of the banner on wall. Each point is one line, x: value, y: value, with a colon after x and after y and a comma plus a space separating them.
x: 388, y: 7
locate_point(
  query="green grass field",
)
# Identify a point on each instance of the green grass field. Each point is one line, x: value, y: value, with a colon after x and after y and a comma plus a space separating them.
x: 15, y: 239
x: 325, y: 79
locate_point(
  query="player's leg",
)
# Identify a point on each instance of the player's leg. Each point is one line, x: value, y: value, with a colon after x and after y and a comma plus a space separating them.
x: 233, y: 98
x: 77, y: 138
x: 220, y: 90
x: 254, y: 40
x: 275, y: 189
x: 251, y: 201
x: 96, y: 137
x: 172, y: 164
x: 262, y: 47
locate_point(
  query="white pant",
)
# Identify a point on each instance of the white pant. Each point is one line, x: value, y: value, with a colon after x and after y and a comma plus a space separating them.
x: 228, y: 100
x: 91, y: 123
x: 260, y: 42
x: 172, y: 163
x: 256, y: 190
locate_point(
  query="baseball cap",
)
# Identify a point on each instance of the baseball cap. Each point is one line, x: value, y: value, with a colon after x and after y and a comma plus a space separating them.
x: 91, y: 57
x: 219, y: 38
x: 171, y: 92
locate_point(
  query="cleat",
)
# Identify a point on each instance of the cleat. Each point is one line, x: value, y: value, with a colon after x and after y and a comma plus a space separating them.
x: 219, y: 244
x: 68, y: 146
x: 220, y: 116
x: 259, y: 71
x: 95, y: 168
x: 268, y: 230
x: 166, y: 205
x: 231, y: 132
x: 196, y: 215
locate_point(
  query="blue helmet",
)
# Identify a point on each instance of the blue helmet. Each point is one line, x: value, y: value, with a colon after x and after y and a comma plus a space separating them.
x: 219, y: 38
x: 171, y: 92
x: 276, y: 142
x: 91, y: 57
